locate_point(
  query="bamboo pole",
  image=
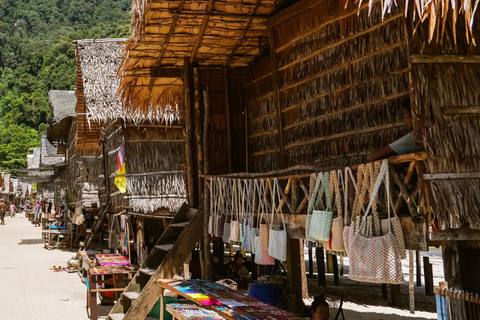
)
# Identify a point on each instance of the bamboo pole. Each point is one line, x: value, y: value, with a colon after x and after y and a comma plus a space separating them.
x: 198, y: 132
x: 188, y: 133
x: 228, y: 120
x: 410, y: 282
x: 271, y: 34
x: 206, y: 269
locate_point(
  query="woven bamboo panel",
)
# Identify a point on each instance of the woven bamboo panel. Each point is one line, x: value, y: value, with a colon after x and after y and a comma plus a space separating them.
x: 342, y: 79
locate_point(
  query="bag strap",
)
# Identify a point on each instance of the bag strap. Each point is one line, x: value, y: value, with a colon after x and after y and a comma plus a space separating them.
x: 338, y: 197
x: 314, y: 193
x: 261, y: 194
x: 276, y: 193
x: 348, y: 178
x: 382, y: 176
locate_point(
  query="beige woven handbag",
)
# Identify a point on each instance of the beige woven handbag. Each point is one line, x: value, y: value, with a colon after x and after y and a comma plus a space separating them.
x: 376, y: 259
x: 264, y: 228
x: 277, y: 246
x: 396, y: 227
x: 235, y: 222
x: 336, y: 234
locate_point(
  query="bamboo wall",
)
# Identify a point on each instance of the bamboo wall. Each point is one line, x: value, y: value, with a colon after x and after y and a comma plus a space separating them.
x: 342, y: 79
x: 263, y: 138
x: 218, y: 136
x: 452, y: 141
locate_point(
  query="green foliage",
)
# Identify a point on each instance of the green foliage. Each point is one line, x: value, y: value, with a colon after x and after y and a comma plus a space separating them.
x: 37, y: 55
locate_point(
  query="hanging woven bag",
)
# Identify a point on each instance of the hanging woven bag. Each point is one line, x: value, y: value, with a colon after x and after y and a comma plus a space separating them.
x: 277, y: 246
x: 264, y: 227
x: 235, y: 218
x: 321, y: 220
x: 376, y: 259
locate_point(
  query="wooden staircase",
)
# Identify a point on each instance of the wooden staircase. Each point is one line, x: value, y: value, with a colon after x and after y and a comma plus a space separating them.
x: 163, y: 262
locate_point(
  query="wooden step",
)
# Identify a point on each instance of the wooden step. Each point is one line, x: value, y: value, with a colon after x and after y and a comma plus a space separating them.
x: 149, y: 272
x: 179, y: 224
x: 164, y: 247
x: 132, y: 295
x: 116, y: 316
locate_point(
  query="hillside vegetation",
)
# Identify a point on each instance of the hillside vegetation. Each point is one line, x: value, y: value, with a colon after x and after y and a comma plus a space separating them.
x: 37, y: 55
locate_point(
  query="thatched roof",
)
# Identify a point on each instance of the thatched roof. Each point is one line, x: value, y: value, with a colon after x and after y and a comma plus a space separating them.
x: 207, y: 33
x: 99, y: 62
x: 63, y: 104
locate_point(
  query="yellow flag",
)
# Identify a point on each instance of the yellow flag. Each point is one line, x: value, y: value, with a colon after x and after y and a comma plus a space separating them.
x: 121, y: 182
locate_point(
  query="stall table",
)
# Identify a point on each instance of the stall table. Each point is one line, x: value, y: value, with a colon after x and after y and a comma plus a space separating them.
x: 58, y: 236
x: 227, y: 303
x: 191, y: 311
x: 118, y: 277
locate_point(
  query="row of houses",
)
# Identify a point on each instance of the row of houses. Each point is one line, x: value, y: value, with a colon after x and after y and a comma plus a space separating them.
x: 256, y: 90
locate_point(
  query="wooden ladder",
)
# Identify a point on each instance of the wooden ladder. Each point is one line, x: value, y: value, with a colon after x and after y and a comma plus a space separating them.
x: 163, y: 262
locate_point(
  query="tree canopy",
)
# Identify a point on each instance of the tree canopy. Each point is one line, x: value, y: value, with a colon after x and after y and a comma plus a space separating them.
x: 37, y: 55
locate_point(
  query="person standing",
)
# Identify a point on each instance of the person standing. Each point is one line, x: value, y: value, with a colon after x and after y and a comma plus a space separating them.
x: 12, y: 210
x: 37, y: 212
x: 3, y: 208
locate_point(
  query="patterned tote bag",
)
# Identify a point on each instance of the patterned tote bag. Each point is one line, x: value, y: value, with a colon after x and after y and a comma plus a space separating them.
x: 376, y: 258
x: 277, y: 245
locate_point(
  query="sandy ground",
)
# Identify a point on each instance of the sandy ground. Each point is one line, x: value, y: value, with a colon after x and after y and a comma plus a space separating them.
x: 28, y: 289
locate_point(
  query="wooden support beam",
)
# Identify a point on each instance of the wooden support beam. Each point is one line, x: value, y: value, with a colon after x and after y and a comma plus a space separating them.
x: 169, y: 35
x: 207, y: 268
x: 418, y: 267
x: 447, y: 176
x: 271, y: 33
x: 202, y: 31
x: 461, y: 234
x: 336, y: 278
x: 403, y: 190
x: 244, y: 33
x: 461, y: 110
x: 188, y: 134
x: 228, y: 121
x: 294, y: 274
x: 396, y: 292
x: 310, y: 263
x: 428, y: 272
x: 419, y: 58
x: 217, y: 14
x: 203, y: 73
x: 198, y: 131
x: 322, y: 281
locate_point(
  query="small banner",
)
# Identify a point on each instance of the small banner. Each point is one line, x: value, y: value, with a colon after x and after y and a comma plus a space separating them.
x: 120, y: 180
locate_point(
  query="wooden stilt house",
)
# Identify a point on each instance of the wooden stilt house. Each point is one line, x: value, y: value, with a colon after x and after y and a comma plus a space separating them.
x: 284, y: 89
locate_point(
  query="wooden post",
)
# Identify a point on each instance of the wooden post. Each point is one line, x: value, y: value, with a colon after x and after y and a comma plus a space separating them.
x: 428, y: 271
x: 396, y: 292
x: 411, y: 293
x: 303, y: 272
x: 336, y: 280
x: 294, y: 277
x: 310, y: 263
x: 384, y: 291
x: 322, y: 281
x: 228, y: 121
x: 329, y: 263
x: 246, y: 137
x: 207, y: 269
x: 273, y: 46
x: 188, y: 134
x: 198, y: 132
x: 419, y: 269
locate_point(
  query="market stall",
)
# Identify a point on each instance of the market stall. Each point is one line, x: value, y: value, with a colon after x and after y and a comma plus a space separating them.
x: 225, y: 302
x: 107, y: 279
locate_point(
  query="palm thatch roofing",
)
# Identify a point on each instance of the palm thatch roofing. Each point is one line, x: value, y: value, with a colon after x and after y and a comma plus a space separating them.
x: 99, y: 60
x: 62, y: 104
x: 207, y: 33
x: 213, y: 33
